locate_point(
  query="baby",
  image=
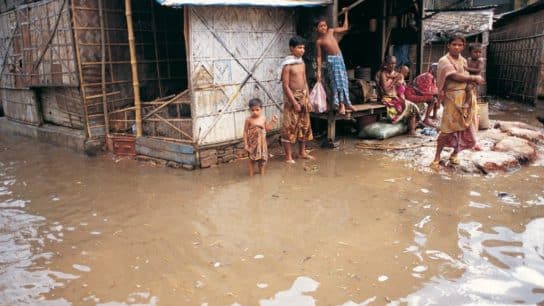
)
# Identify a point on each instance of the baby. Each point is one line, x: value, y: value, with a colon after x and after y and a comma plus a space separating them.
x: 255, y: 129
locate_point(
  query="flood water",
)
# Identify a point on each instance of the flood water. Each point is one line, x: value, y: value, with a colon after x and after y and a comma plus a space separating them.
x: 354, y: 228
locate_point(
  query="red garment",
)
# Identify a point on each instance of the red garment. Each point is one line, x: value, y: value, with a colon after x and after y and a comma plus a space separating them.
x: 412, y: 95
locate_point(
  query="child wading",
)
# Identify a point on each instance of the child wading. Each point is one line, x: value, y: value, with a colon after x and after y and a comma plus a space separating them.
x: 296, y: 108
x: 255, y: 136
x: 337, y: 68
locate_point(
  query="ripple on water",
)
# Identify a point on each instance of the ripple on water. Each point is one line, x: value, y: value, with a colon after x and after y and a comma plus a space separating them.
x: 512, y: 273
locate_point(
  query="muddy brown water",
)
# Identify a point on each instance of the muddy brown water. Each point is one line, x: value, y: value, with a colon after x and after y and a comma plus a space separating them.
x: 354, y: 228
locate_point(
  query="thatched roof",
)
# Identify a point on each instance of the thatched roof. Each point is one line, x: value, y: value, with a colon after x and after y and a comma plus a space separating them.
x: 273, y: 3
x: 438, y: 26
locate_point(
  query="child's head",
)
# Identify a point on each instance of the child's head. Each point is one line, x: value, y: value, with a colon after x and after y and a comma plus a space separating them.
x: 255, y: 106
x: 404, y: 70
x: 321, y: 25
x: 475, y: 50
x: 296, y: 45
x: 390, y: 63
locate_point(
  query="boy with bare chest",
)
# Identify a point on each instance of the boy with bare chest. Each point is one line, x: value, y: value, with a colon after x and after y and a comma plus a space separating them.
x: 326, y: 42
x: 296, y: 108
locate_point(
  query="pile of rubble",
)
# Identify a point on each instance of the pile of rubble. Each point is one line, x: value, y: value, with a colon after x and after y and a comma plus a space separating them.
x: 505, y: 147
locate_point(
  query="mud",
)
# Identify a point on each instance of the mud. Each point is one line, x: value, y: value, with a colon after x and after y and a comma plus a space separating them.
x: 357, y: 227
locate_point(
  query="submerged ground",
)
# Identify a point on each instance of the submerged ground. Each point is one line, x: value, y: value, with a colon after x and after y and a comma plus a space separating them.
x: 356, y: 227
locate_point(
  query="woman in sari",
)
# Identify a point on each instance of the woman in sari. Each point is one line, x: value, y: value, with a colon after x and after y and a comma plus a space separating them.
x: 455, y: 86
x: 391, y: 91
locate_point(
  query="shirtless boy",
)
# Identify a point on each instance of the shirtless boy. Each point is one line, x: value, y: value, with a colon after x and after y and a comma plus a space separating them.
x: 326, y: 42
x: 296, y: 108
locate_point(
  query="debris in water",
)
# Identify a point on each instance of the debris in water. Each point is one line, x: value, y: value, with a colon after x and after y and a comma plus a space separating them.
x: 382, y: 278
x: 262, y: 285
x: 199, y: 284
x: 81, y: 268
x: 475, y: 194
x: 420, y: 269
x: 424, y: 190
x: 217, y: 265
x: 259, y: 256
x: 478, y: 205
x: 389, y: 180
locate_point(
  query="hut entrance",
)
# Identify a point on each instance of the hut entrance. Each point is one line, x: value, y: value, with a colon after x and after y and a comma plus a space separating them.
x: 107, y: 86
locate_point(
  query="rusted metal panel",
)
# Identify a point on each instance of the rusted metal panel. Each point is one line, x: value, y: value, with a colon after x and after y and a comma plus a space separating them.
x: 21, y: 105
x: 274, y: 3
x: 38, y: 49
x: 235, y: 55
x: 63, y: 106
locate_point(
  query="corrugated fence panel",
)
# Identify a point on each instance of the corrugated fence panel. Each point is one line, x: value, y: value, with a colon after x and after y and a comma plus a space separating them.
x: 226, y: 43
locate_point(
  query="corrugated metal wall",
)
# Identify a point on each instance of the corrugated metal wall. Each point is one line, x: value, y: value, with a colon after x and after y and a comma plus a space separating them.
x: 226, y: 43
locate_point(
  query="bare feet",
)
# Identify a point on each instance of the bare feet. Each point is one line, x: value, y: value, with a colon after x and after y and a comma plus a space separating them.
x: 428, y: 122
x: 435, y: 165
x: 290, y: 161
x: 350, y: 107
x: 307, y: 156
x: 342, y: 109
x: 454, y: 160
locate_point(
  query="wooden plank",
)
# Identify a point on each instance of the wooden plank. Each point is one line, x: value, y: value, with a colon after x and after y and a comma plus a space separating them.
x: 166, y: 155
x: 162, y: 145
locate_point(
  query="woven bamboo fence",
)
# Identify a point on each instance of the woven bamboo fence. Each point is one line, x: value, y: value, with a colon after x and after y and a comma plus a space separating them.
x: 516, y: 57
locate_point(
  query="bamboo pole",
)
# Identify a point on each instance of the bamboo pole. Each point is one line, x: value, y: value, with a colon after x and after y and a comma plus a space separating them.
x: 134, y: 68
x: 103, y: 68
x: 80, y: 74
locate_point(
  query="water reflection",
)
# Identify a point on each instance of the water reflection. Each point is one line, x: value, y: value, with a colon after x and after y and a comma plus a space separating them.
x: 23, y: 278
x: 501, y: 266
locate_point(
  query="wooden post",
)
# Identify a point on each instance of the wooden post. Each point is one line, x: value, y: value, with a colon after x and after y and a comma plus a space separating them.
x: 383, y: 42
x: 331, y: 118
x: 134, y: 68
x: 103, y: 68
x: 420, y: 36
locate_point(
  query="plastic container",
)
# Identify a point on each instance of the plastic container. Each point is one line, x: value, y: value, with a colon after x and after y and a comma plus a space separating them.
x: 483, y: 116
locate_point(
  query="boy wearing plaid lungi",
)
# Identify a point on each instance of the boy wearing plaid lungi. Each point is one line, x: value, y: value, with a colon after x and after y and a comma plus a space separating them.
x: 327, y: 42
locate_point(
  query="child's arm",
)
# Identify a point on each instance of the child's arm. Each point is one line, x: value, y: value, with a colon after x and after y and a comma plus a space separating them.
x: 475, y: 70
x: 285, y: 75
x: 246, y: 127
x: 345, y: 27
x: 318, y: 60
x: 269, y: 125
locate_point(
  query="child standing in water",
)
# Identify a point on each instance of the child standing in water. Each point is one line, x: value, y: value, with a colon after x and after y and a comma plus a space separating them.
x: 255, y: 129
x: 296, y: 125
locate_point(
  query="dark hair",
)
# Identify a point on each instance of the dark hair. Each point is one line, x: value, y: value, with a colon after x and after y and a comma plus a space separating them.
x: 320, y: 19
x: 296, y: 41
x: 255, y: 102
x: 455, y: 37
x: 474, y: 46
x: 388, y: 59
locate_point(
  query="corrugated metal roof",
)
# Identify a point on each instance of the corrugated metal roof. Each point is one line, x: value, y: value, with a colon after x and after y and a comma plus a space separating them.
x: 440, y: 25
x: 275, y: 3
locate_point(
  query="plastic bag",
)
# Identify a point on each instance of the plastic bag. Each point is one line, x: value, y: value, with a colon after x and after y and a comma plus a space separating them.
x: 318, y: 98
x: 382, y: 130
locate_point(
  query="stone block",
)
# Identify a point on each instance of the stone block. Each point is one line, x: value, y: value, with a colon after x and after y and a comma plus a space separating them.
x: 490, y: 161
x: 207, y: 162
x: 520, y: 148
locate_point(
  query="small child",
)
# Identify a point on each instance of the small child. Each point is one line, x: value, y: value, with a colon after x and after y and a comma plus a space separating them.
x: 475, y: 64
x: 255, y: 129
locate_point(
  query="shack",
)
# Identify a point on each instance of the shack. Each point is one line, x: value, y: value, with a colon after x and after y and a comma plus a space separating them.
x: 473, y: 23
x: 169, y: 81
x: 516, y: 54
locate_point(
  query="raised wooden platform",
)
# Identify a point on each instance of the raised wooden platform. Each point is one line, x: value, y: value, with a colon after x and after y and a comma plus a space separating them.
x: 361, y: 111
